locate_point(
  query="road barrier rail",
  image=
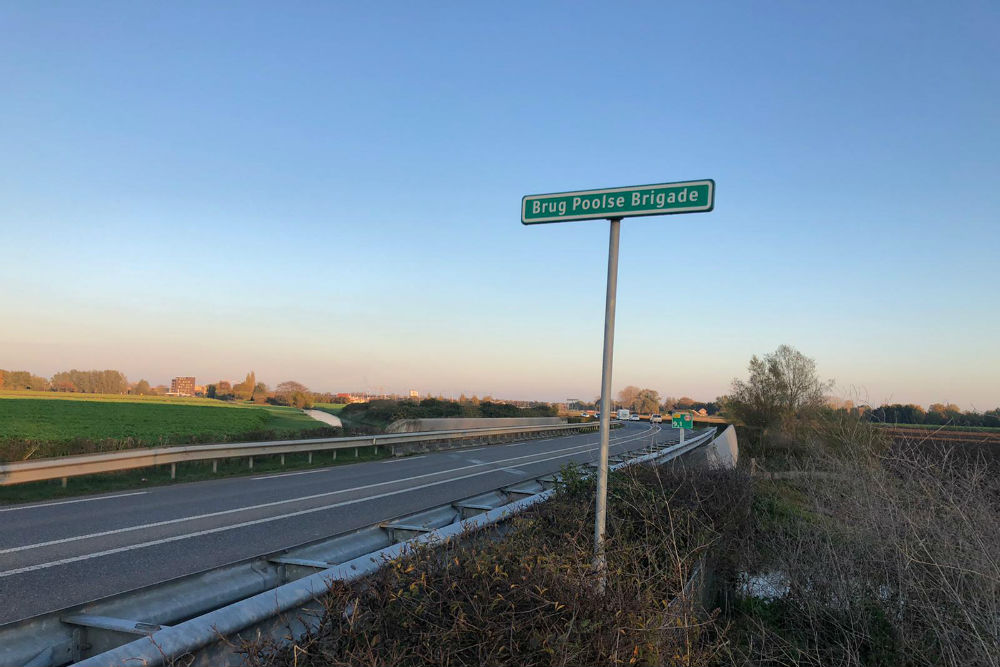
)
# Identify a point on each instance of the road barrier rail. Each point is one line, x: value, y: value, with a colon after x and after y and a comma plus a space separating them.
x: 398, y: 443
x: 273, y: 595
x: 293, y: 609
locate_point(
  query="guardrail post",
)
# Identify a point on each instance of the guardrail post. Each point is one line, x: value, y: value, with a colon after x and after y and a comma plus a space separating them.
x: 251, y: 463
x: 311, y: 455
x: 355, y: 452
x: 335, y: 453
x: 173, y: 471
x: 282, y: 460
x: 64, y: 481
x: 215, y: 465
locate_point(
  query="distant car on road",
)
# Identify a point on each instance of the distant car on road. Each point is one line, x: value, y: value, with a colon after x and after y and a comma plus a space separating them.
x: 656, y: 419
x: 634, y: 418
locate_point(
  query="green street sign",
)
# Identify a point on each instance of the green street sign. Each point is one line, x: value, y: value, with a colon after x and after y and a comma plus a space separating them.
x: 636, y: 200
x: 682, y: 420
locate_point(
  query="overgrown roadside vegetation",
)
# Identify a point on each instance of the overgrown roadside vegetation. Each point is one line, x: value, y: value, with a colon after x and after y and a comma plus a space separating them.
x: 865, y: 549
x: 867, y: 552
x: 529, y: 598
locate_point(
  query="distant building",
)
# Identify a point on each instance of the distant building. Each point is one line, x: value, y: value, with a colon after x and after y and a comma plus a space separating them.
x: 414, y: 393
x: 182, y: 386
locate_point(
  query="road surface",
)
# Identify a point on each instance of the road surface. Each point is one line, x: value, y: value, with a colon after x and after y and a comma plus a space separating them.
x: 67, y: 552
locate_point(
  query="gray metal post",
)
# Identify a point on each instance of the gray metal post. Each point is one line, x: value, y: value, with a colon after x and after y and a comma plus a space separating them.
x: 600, y: 562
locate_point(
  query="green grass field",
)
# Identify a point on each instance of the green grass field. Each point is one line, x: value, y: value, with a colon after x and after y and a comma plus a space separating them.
x: 42, y: 424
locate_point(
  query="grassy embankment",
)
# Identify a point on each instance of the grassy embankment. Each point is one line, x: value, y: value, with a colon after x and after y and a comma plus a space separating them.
x: 46, y: 424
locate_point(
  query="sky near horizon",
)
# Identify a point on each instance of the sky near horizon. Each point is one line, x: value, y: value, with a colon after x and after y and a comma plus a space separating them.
x: 330, y: 192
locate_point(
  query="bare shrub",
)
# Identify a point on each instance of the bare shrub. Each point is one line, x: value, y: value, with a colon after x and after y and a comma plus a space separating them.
x: 892, y: 559
x: 529, y: 598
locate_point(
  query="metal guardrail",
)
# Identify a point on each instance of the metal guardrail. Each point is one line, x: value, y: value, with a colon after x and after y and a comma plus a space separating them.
x: 293, y: 609
x: 73, y: 466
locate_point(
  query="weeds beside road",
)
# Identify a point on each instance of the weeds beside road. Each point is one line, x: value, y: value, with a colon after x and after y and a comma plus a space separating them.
x: 867, y: 553
x: 529, y: 598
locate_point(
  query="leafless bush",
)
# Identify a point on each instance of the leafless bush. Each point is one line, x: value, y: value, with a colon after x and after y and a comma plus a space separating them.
x: 892, y: 559
x: 529, y: 598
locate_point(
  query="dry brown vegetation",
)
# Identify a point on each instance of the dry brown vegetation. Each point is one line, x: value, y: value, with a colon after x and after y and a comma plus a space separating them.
x: 529, y: 598
x: 861, y: 552
x: 877, y: 553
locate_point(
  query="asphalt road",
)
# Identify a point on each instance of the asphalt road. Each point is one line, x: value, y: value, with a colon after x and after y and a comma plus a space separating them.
x: 59, y: 554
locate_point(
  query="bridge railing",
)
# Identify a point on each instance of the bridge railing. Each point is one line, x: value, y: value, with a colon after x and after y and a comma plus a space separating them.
x: 89, y: 464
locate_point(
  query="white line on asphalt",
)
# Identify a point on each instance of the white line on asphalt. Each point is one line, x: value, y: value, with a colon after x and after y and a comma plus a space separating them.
x: 67, y: 502
x: 167, y: 522
x: 210, y: 531
x: 467, y: 451
x: 290, y: 474
x: 405, y: 458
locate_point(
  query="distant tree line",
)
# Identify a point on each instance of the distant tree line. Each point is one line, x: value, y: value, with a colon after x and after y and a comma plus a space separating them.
x: 91, y: 382
x: 937, y: 414
x: 387, y: 411
x: 646, y: 401
x: 22, y: 381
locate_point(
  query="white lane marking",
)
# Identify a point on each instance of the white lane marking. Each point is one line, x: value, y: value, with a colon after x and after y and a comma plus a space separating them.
x: 291, y: 474
x: 210, y: 531
x: 168, y: 522
x: 68, y: 502
x: 405, y: 458
x: 514, y: 471
x: 468, y: 451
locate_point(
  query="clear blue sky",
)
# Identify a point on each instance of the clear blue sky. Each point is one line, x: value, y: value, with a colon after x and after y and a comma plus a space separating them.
x: 330, y: 192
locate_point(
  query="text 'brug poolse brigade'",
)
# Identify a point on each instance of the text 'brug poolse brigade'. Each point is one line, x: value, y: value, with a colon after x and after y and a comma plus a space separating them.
x: 687, y: 197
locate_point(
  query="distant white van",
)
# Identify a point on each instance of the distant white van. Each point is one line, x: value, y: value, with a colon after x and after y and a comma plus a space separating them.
x: 623, y: 415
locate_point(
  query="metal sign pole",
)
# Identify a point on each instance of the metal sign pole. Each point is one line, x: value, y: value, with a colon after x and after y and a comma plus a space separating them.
x: 600, y: 562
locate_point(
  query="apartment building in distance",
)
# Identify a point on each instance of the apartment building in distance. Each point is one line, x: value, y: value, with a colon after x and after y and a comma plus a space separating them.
x: 182, y: 386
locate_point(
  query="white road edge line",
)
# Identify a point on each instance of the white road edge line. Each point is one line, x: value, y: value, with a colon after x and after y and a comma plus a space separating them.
x: 78, y: 500
x: 168, y: 522
x: 176, y: 538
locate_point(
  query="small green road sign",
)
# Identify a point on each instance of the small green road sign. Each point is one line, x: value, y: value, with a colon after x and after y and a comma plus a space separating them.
x: 682, y: 420
x: 636, y: 200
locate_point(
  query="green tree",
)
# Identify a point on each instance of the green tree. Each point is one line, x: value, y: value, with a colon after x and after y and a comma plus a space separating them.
x: 244, y: 390
x: 260, y: 393
x: 629, y: 397
x: 292, y: 393
x: 23, y: 380
x: 142, y: 388
x: 648, y: 401
x: 781, y: 385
